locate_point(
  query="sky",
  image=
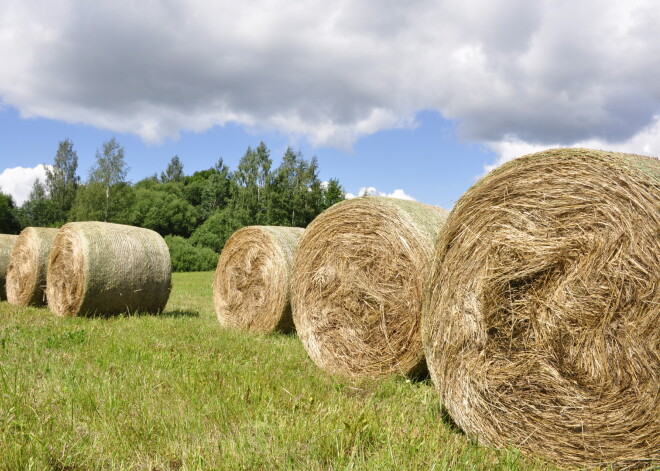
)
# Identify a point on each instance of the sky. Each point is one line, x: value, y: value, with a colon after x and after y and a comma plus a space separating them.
x: 414, y: 99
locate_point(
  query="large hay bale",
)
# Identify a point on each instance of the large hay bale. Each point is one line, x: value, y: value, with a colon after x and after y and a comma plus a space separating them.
x: 7, y: 242
x: 99, y: 268
x: 542, y: 328
x: 359, y: 274
x: 26, y: 273
x: 251, y: 290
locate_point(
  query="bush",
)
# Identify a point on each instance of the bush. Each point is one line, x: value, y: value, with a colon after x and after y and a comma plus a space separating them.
x: 163, y: 212
x: 187, y: 257
x: 215, y: 231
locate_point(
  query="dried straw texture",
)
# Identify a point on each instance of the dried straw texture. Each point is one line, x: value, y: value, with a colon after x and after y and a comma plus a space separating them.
x: 7, y: 242
x: 26, y: 273
x: 359, y: 278
x: 252, y: 281
x: 542, y: 328
x: 99, y: 268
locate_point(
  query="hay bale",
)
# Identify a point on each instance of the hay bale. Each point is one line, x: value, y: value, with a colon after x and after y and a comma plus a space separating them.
x: 99, y: 268
x: 542, y: 327
x: 26, y: 273
x: 251, y: 290
x: 359, y: 277
x: 7, y: 242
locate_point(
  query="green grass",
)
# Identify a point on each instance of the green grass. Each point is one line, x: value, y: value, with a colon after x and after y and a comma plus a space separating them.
x: 177, y: 392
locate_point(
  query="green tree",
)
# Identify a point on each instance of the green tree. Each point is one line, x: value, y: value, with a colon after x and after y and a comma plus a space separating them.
x: 38, y: 209
x: 9, y: 220
x: 162, y: 211
x: 91, y: 203
x: 215, y: 231
x: 110, y: 169
x: 216, y: 193
x: 187, y: 257
x: 61, y: 179
x: 284, y: 189
x: 333, y: 193
x: 194, y: 186
x: 173, y: 172
x: 150, y: 178
x: 252, y: 185
x: 297, y: 194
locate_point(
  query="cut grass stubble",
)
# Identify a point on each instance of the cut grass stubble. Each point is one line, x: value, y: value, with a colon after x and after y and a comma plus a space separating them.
x: 177, y: 391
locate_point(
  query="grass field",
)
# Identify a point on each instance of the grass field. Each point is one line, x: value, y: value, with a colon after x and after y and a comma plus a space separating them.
x: 177, y: 392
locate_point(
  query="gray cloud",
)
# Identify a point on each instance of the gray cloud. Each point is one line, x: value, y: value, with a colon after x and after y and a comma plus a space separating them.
x: 536, y: 72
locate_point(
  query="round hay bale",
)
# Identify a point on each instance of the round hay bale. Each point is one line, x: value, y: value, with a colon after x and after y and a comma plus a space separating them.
x: 99, y: 268
x: 251, y: 290
x: 542, y: 326
x: 359, y: 279
x: 26, y: 273
x: 7, y: 242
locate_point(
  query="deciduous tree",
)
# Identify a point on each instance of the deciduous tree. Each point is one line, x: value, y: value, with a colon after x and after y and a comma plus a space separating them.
x: 9, y: 223
x: 38, y: 209
x: 61, y: 179
x: 216, y: 192
x: 173, y: 172
x: 252, y: 184
x: 109, y: 170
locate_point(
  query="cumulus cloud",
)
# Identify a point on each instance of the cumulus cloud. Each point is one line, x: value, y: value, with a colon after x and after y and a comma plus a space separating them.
x: 371, y: 191
x: 510, y: 73
x: 18, y: 181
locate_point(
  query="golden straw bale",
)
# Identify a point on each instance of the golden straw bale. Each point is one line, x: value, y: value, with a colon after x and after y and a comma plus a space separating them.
x: 99, y: 268
x: 7, y: 242
x: 542, y: 325
x: 251, y: 290
x: 26, y: 273
x: 359, y: 277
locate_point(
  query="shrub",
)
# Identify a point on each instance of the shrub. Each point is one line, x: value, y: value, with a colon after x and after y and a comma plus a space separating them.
x: 187, y: 257
x: 215, y: 231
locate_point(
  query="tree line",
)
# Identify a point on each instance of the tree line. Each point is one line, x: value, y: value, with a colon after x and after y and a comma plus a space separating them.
x: 195, y: 213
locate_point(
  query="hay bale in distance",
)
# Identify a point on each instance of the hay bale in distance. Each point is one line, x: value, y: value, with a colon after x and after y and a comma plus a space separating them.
x: 7, y: 242
x: 359, y: 277
x: 251, y: 290
x: 26, y: 273
x: 542, y: 326
x: 99, y: 268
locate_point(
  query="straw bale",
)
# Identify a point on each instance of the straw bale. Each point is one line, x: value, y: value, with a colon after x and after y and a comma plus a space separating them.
x: 251, y: 290
x: 542, y: 325
x: 26, y: 273
x: 359, y: 277
x: 7, y: 242
x: 99, y: 268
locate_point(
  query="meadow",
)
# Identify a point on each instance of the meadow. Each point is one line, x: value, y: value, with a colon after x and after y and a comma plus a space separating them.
x: 178, y: 392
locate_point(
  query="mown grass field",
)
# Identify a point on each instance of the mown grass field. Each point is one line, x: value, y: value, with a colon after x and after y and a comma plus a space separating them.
x: 177, y: 392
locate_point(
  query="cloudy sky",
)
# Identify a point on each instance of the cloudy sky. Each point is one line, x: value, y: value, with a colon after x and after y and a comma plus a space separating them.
x: 413, y: 99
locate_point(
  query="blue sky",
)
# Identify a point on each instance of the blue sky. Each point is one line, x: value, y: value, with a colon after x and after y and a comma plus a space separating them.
x: 415, y: 99
x: 428, y: 162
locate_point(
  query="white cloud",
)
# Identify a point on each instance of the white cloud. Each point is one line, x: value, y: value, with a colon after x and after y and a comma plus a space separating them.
x: 18, y: 181
x: 371, y: 191
x: 511, y: 73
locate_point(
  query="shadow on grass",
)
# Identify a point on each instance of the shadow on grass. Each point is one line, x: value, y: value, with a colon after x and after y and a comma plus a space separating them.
x: 285, y: 333
x: 178, y: 313
x: 420, y: 374
x: 173, y: 313
x: 449, y: 422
